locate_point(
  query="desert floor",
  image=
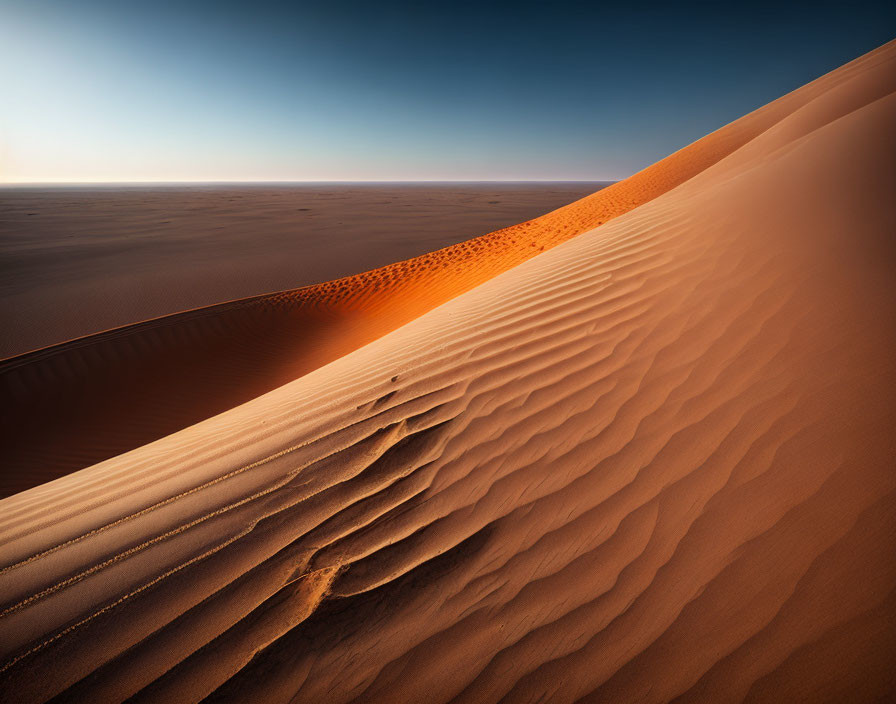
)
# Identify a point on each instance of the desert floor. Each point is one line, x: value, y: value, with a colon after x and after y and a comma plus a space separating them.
x: 77, y: 260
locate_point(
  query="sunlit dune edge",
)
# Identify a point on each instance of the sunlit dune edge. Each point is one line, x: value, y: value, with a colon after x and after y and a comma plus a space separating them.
x: 93, y: 398
x: 652, y: 463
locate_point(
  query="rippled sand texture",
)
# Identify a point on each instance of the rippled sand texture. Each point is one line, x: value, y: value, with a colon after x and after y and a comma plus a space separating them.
x: 654, y: 463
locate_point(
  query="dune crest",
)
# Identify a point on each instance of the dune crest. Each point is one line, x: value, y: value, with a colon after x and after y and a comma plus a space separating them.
x: 84, y: 401
x: 652, y: 464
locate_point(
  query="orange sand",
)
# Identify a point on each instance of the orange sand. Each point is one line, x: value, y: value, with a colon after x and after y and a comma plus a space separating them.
x: 654, y: 463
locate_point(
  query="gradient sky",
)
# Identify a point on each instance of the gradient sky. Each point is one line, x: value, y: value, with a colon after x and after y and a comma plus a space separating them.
x: 120, y: 90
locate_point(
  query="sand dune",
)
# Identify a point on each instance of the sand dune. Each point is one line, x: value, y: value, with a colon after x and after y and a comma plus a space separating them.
x: 653, y: 463
x: 85, y: 401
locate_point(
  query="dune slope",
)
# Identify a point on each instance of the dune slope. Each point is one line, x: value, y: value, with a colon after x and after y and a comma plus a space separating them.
x: 75, y: 404
x: 652, y: 464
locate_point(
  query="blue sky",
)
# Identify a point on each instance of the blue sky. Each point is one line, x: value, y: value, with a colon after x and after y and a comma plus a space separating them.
x: 97, y: 90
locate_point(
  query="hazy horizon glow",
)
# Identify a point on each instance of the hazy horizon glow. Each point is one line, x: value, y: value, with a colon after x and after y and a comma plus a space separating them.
x: 103, y: 92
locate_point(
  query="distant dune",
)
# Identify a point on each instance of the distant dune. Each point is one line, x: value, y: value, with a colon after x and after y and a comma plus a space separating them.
x: 639, y: 449
x: 81, y: 259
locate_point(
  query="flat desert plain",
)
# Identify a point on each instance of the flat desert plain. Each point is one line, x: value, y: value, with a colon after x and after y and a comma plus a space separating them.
x: 637, y: 449
x: 78, y: 260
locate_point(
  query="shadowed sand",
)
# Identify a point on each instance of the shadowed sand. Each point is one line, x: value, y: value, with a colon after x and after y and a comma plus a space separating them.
x: 653, y: 463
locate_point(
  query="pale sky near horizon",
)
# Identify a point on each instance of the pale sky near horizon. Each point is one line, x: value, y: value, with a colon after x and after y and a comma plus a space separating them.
x: 108, y: 91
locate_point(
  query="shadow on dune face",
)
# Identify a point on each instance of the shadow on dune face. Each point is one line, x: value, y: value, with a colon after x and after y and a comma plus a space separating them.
x: 91, y: 399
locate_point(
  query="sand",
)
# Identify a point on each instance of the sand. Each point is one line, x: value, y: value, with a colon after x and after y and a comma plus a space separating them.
x: 652, y: 462
x: 78, y: 260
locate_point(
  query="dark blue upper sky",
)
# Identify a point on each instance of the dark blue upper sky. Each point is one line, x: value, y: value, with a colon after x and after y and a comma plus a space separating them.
x: 107, y: 90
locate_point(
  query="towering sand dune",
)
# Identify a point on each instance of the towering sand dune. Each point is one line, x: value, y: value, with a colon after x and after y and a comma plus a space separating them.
x: 81, y: 402
x: 654, y: 463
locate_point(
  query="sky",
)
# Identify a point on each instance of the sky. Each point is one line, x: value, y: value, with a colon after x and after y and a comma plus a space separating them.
x: 121, y: 90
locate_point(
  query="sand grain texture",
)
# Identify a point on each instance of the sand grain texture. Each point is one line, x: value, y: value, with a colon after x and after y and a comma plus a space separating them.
x: 654, y: 463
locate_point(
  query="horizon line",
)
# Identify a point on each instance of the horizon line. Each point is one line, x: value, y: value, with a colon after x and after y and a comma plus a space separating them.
x: 4, y: 184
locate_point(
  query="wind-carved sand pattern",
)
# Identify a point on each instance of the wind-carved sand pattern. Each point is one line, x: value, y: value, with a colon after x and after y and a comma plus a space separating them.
x: 653, y: 463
